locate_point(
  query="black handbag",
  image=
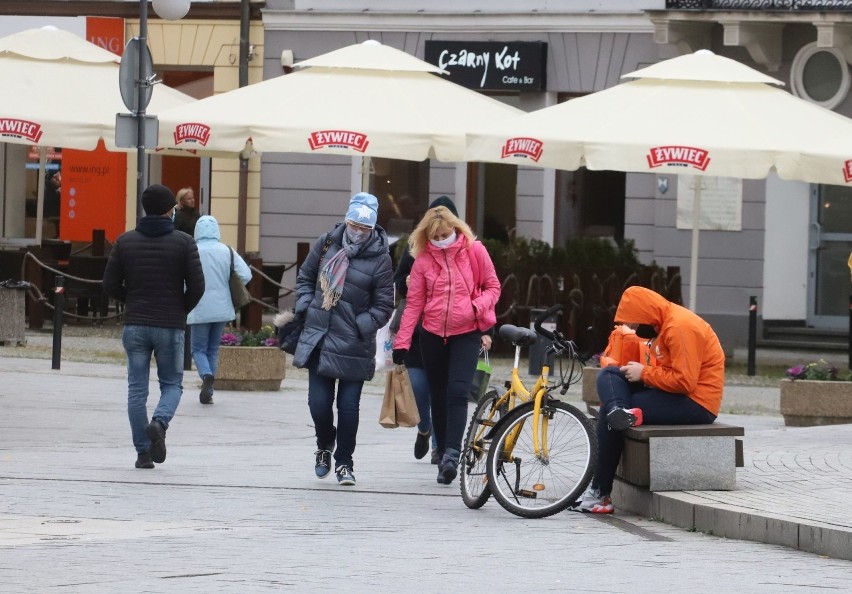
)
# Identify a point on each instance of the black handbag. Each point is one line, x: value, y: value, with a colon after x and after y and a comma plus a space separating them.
x: 289, y: 333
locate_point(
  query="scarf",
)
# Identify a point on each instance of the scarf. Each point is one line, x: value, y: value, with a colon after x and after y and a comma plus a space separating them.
x: 333, y: 274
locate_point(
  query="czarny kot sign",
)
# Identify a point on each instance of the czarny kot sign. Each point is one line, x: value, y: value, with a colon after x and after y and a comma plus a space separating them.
x: 511, y: 66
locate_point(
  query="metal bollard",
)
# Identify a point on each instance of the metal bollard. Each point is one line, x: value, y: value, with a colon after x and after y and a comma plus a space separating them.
x: 58, y: 320
x: 752, y: 334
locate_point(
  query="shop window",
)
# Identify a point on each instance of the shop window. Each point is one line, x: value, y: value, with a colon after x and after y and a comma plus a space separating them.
x: 402, y: 188
x: 820, y: 75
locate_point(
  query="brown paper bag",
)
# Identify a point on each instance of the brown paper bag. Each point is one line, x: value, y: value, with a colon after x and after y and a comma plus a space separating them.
x: 399, y: 409
x: 387, y: 415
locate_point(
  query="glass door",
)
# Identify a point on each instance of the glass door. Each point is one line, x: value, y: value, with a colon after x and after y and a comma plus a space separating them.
x: 829, y: 283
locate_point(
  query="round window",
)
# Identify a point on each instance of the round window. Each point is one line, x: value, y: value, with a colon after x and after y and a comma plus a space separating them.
x: 820, y: 75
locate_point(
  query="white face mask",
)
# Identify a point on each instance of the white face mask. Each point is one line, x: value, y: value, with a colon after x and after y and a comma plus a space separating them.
x: 444, y: 243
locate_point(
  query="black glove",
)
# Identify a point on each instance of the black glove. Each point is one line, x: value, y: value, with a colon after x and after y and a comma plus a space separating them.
x: 399, y: 356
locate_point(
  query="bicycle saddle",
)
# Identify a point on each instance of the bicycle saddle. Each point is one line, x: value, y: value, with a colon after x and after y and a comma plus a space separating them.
x: 517, y: 336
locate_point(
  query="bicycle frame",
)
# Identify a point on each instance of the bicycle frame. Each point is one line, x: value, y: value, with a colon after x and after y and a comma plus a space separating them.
x: 517, y: 390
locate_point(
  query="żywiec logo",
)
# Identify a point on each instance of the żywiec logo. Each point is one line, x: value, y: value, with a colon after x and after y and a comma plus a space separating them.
x: 522, y: 147
x: 847, y: 171
x: 20, y: 129
x: 683, y: 156
x: 192, y: 132
x: 338, y: 138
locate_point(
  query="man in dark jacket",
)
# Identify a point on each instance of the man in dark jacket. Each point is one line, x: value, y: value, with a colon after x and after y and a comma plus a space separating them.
x: 157, y: 273
x: 344, y: 292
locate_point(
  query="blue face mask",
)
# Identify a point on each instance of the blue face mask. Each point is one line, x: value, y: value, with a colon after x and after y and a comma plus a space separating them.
x: 357, y: 236
x: 174, y: 214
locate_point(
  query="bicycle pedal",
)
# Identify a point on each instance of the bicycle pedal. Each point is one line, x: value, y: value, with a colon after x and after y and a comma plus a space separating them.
x: 527, y: 494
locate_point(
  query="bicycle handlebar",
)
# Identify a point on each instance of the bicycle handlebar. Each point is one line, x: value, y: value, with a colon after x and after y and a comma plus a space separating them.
x: 553, y: 309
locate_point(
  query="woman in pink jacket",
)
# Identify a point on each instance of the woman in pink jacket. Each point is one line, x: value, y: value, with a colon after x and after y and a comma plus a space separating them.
x: 454, y: 288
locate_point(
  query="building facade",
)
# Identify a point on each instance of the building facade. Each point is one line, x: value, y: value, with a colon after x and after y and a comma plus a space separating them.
x: 791, y: 240
x: 198, y: 55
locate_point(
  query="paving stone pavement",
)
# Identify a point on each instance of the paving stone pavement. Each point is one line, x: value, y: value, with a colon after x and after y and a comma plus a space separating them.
x: 236, y: 507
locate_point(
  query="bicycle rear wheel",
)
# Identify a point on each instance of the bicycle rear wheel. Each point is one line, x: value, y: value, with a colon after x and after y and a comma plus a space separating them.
x: 473, y: 479
x: 536, y: 486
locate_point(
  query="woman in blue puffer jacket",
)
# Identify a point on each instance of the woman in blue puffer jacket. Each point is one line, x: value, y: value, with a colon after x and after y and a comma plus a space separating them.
x: 215, y: 310
x: 344, y: 294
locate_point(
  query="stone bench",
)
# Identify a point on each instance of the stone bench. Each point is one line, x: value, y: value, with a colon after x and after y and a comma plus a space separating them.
x: 675, y: 457
x: 682, y: 457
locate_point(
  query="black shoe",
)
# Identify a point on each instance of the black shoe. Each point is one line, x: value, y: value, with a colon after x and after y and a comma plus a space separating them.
x: 436, y: 456
x: 447, y: 470
x: 206, y: 394
x: 421, y: 444
x: 157, y: 434
x: 143, y: 460
x: 620, y: 419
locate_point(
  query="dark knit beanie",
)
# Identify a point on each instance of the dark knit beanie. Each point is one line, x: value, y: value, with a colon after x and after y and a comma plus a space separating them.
x: 446, y: 202
x: 157, y: 200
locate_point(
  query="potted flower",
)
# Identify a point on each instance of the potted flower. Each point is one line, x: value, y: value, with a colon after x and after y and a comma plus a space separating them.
x: 816, y: 394
x: 250, y: 360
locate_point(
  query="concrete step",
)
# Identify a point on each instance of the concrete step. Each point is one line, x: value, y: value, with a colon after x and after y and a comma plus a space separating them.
x: 800, y: 337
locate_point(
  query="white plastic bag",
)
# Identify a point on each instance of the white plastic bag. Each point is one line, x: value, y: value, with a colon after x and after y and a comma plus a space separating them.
x: 384, y: 349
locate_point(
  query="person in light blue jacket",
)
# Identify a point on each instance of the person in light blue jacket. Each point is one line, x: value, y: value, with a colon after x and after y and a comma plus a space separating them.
x: 215, y: 310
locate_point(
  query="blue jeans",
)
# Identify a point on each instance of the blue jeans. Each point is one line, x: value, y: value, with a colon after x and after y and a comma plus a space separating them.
x: 422, y: 396
x: 450, y: 364
x: 205, y: 339
x: 658, y: 408
x: 166, y: 344
x: 321, y: 402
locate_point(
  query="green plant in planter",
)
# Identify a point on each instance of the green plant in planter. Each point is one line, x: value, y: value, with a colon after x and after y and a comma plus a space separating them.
x: 266, y: 336
x: 820, y: 371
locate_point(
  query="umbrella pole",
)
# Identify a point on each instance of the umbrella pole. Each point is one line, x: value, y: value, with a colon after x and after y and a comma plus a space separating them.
x: 693, y: 263
x: 42, y: 167
x: 366, y: 166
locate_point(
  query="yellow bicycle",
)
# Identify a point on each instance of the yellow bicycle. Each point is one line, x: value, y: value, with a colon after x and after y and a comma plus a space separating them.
x: 534, y: 453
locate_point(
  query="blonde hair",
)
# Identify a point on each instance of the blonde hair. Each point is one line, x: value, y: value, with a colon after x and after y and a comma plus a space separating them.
x: 181, y: 193
x: 435, y: 219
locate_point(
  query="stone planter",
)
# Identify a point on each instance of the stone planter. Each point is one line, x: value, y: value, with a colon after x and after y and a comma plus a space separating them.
x: 805, y: 403
x: 257, y: 369
x: 589, y: 390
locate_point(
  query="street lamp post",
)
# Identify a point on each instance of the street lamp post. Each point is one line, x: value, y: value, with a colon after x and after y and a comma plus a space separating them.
x: 170, y: 10
x: 141, y: 86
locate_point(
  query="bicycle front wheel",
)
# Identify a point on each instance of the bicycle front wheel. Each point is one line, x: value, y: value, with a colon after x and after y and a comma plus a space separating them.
x: 473, y: 478
x: 534, y: 484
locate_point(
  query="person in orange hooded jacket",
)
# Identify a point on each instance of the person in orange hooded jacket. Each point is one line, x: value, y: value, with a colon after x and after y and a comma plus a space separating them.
x: 683, y: 386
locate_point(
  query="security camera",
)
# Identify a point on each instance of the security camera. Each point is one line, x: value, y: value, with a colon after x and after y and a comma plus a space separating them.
x: 287, y: 58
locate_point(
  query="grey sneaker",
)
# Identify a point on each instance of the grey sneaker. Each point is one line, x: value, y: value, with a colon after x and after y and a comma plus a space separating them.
x: 344, y: 475
x: 323, y: 463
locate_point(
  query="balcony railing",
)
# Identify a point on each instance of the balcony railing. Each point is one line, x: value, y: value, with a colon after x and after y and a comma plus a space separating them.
x: 800, y: 5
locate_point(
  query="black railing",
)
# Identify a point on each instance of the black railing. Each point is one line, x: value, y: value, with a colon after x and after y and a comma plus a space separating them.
x: 801, y: 5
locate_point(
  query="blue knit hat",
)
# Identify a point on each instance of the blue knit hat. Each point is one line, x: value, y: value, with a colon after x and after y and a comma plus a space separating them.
x: 363, y: 209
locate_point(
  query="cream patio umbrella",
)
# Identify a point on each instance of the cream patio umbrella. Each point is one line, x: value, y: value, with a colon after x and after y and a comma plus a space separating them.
x: 362, y: 100
x: 59, y: 90
x: 697, y: 114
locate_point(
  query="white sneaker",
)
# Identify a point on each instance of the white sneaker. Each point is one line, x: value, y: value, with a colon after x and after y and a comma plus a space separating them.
x: 588, y: 500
